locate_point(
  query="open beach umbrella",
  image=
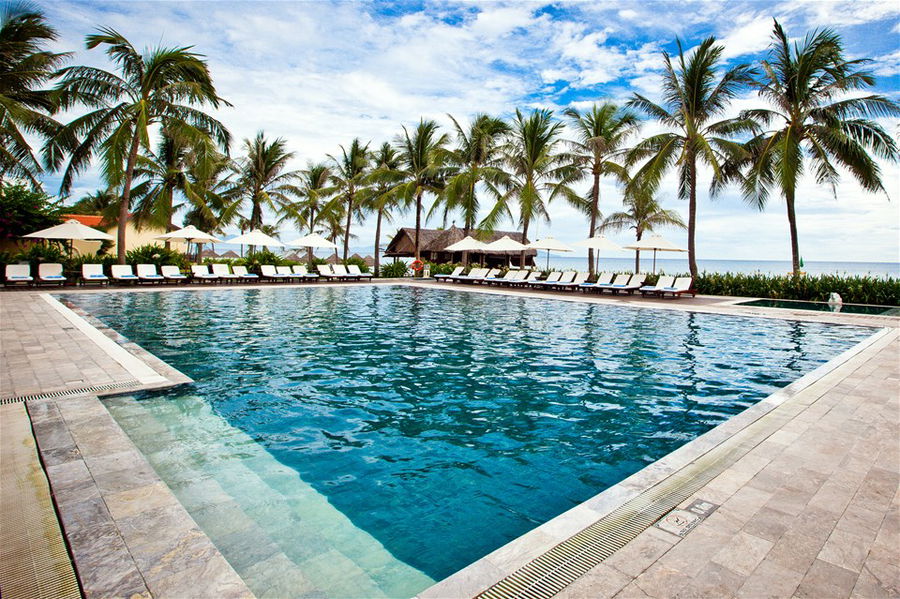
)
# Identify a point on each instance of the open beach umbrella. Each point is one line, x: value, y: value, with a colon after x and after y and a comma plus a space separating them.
x: 551, y: 245
x: 600, y: 243
x: 71, y: 230
x: 313, y: 240
x: 467, y: 244
x: 190, y: 234
x: 657, y: 243
x: 256, y: 238
x: 506, y: 244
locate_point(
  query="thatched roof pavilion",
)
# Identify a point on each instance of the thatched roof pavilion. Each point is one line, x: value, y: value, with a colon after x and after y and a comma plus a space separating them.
x: 433, y: 241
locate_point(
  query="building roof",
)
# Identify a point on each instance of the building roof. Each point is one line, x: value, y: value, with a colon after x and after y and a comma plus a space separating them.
x: 435, y: 240
x: 88, y: 220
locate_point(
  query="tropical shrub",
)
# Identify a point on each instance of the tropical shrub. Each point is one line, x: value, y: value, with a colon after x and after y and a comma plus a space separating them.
x: 393, y: 270
x: 361, y: 263
x: 23, y: 211
x: 253, y: 260
x: 160, y: 256
x: 853, y: 289
x: 441, y: 269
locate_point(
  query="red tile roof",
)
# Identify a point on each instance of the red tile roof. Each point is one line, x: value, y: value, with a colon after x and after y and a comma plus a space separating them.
x: 89, y: 220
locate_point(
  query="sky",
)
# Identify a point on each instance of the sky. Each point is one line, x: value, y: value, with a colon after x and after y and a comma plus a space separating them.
x: 320, y: 73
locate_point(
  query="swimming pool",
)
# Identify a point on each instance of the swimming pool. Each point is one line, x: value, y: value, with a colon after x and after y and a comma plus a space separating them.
x: 824, y: 307
x: 367, y: 440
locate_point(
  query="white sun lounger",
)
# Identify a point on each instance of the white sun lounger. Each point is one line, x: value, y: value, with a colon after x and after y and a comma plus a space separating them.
x: 604, y: 278
x: 341, y: 272
x: 553, y: 277
x: 354, y: 269
x: 241, y: 271
x: 566, y: 277
x: 93, y: 273
x: 456, y: 272
x: 289, y: 273
x: 223, y: 271
x: 122, y: 273
x: 663, y: 282
x: 201, y: 273
x: 528, y: 279
x: 300, y: 269
x: 476, y: 274
x: 682, y: 286
x: 18, y: 273
x: 573, y: 284
x: 326, y: 272
x: 509, y: 276
x: 619, y: 282
x: 635, y: 283
x: 170, y: 272
x: 147, y: 272
x: 270, y: 273
x: 51, y: 272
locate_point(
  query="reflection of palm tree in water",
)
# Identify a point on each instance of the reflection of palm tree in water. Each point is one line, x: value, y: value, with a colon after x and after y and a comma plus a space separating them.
x: 796, y: 335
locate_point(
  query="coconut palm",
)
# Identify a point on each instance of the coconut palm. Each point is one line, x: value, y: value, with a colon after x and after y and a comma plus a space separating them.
x: 103, y: 202
x: 348, y: 178
x: 314, y: 190
x: 816, y: 124
x: 263, y: 180
x: 385, y: 176
x: 694, y: 94
x: 420, y: 155
x: 161, y: 85
x: 475, y: 160
x: 25, y: 66
x: 537, y: 173
x: 601, y: 133
x: 642, y: 213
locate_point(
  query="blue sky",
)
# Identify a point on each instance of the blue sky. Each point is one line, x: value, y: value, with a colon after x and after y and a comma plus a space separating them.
x: 321, y: 73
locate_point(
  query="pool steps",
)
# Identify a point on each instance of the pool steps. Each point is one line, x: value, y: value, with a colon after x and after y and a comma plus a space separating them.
x: 234, y: 484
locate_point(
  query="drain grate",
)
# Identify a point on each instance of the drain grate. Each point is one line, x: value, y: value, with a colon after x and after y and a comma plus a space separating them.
x: 68, y: 392
x: 551, y: 572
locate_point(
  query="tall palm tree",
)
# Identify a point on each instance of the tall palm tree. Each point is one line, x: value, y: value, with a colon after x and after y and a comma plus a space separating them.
x: 694, y: 94
x: 25, y: 66
x: 159, y: 85
x: 420, y: 155
x: 475, y: 160
x: 314, y: 190
x: 536, y: 170
x: 384, y: 177
x: 263, y: 179
x: 642, y: 213
x: 348, y: 177
x: 600, y: 134
x: 806, y: 84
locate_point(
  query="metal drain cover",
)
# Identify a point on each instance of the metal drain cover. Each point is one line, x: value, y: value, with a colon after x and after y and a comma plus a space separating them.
x: 681, y: 522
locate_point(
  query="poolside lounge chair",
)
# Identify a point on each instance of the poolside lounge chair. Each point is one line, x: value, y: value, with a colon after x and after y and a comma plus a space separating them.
x: 566, y: 277
x: 573, y: 284
x: 223, y: 271
x: 551, y: 278
x: 604, y: 278
x: 634, y: 283
x: 269, y: 273
x: 241, y: 271
x: 93, y: 273
x: 147, y: 272
x: 325, y: 272
x: 354, y: 269
x: 289, y: 273
x: 528, y: 279
x: 51, y: 272
x: 200, y: 272
x: 663, y: 282
x: 619, y: 282
x: 341, y: 272
x: 18, y: 273
x: 300, y: 269
x: 476, y: 274
x: 682, y: 286
x: 172, y: 273
x: 509, y: 276
x: 456, y: 272
x: 122, y: 273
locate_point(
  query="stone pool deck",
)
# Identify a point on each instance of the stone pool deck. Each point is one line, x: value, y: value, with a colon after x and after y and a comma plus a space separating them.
x: 811, y: 510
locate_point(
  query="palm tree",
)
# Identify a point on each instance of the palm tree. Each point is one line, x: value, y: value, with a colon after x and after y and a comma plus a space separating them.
x: 806, y: 84
x: 535, y: 169
x: 314, y: 189
x: 159, y: 86
x: 693, y: 96
x: 263, y: 181
x: 348, y: 177
x: 103, y: 202
x: 600, y: 133
x: 475, y: 159
x: 420, y: 154
x: 384, y: 177
x: 25, y: 66
x: 642, y: 213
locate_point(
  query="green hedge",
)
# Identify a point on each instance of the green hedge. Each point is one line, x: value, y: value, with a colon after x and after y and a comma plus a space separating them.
x: 853, y: 289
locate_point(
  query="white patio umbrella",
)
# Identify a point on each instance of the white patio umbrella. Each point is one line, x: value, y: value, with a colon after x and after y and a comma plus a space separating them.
x: 256, y: 238
x: 506, y: 244
x: 467, y: 244
x: 71, y: 230
x: 551, y: 245
x: 600, y: 243
x: 313, y: 240
x: 657, y: 243
x: 190, y: 234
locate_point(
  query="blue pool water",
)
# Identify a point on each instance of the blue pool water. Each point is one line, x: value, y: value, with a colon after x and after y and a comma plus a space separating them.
x: 442, y: 424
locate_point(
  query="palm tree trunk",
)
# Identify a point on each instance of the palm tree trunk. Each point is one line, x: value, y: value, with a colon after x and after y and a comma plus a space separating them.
x: 524, y: 237
x: 347, y: 226
x: 312, y: 229
x: 637, y: 253
x: 126, y: 198
x: 692, y: 214
x: 377, y: 255
x: 595, y: 210
x: 418, y: 223
x: 792, y: 222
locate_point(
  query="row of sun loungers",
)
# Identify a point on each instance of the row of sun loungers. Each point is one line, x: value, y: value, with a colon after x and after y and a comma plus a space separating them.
x: 572, y: 280
x: 52, y: 273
